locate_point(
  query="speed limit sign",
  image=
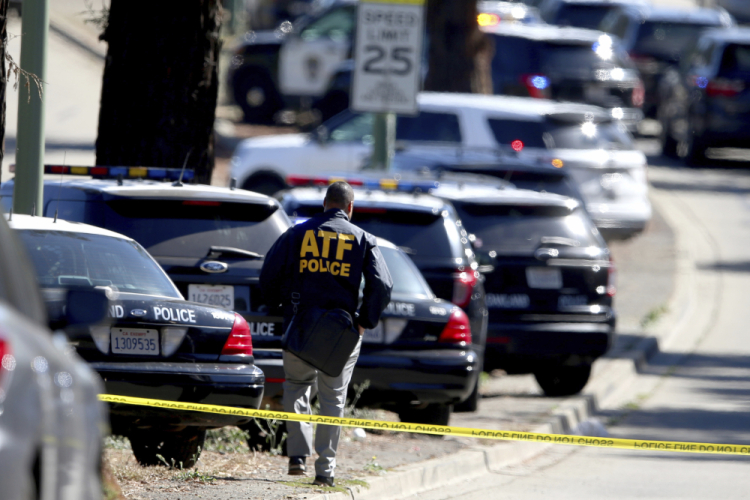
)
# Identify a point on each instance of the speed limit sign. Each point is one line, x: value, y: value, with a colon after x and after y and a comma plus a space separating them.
x: 388, y: 56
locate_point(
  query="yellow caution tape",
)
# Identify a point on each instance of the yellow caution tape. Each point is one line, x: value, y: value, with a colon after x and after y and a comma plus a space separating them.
x: 596, y: 442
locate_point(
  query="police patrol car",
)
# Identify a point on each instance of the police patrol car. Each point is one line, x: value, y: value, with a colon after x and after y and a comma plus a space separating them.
x: 154, y: 345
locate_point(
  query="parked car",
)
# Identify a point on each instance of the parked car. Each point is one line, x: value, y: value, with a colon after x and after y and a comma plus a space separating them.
x: 549, y: 283
x: 580, y: 13
x: 656, y: 36
x: 566, y: 64
x: 447, y: 122
x: 198, y: 353
x: 706, y: 102
x: 52, y: 423
x: 424, y: 227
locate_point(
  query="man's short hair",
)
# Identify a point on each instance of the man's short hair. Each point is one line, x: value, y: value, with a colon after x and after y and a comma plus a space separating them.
x: 339, y: 195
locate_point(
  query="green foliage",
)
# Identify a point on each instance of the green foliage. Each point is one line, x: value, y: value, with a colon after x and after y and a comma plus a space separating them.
x: 226, y: 440
x: 653, y: 315
x: 116, y: 443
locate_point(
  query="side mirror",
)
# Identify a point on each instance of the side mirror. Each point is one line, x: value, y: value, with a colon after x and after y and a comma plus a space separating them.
x: 85, y: 306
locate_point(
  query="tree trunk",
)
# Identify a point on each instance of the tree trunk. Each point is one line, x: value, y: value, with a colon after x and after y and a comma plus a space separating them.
x: 160, y: 85
x: 3, y: 73
x: 459, y: 53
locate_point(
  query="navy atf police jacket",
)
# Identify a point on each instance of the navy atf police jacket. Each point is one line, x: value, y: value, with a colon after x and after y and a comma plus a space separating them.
x: 324, y: 259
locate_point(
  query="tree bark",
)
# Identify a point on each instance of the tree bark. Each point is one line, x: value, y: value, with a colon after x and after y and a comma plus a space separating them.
x: 3, y: 72
x: 459, y: 53
x: 160, y: 85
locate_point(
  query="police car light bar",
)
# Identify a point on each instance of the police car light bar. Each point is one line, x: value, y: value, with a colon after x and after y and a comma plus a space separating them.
x: 153, y: 173
x: 385, y: 184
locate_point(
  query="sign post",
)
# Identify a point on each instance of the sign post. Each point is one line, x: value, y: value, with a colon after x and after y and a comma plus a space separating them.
x: 387, y: 67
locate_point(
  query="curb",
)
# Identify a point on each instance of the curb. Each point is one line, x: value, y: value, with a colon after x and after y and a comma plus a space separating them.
x: 612, y: 376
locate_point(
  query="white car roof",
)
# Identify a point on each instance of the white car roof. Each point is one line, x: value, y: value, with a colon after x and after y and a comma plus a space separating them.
x: 501, y: 104
x: 24, y: 222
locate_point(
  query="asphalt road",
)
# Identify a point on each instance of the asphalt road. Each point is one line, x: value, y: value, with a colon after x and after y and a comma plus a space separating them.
x: 694, y: 390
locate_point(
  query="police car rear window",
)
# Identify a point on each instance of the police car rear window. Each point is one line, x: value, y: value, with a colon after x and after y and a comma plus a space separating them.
x: 666, y: 39
x: 518, y: 230
x: 187, y: 228
x: 64, y: 259
x: 420, y: 234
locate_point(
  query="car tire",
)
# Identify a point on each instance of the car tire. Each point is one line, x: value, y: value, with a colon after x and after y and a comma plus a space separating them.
x: 432, y: 414
x: 178, y: 448
x: 563, y: 380
x: 260, y: 437
x: 256, y: 94
x: 268, y: 184
x: 332, y: 104
x: 470, y: 404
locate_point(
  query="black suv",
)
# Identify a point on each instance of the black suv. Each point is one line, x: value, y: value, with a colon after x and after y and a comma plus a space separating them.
x: 548, y: 283
x: 706, y: 102
x: 428, y: 230
x: 566, y: 64
x: 655, y: 37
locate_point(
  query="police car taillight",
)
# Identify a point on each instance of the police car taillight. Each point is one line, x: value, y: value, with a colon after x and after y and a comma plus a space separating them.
x: 7, y: 365
x: 458, y: 330
x: 463, y: 287
x: 240, y: 342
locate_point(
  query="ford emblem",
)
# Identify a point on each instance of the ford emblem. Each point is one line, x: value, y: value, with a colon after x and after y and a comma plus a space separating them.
x: 213, y: 266
x: 138, y: 312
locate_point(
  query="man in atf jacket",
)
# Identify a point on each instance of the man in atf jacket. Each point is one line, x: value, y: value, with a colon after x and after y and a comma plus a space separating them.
x: 325, y: 260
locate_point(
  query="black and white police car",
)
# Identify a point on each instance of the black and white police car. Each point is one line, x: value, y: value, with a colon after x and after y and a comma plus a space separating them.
x: 549, y: 280
x: 154, y: 345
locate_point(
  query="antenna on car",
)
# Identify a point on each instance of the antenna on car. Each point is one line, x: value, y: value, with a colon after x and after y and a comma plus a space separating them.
x: 10, y: 215
x: 59, y: 189
x: 178, y: 182
x: 233, y: 183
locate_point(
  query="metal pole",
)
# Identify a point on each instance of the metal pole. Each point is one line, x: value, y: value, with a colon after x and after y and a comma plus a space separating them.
x: 384, y: 136
x: 28, y: 191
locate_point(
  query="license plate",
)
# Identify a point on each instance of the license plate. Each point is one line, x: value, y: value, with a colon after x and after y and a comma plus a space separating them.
x: 135, y: 341
x: 547, y: 278
x: 213, y: 295
x: 564, y: 301
x: 375, y: 335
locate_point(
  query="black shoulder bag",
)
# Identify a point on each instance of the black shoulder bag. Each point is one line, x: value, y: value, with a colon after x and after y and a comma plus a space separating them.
x: 323, y: 338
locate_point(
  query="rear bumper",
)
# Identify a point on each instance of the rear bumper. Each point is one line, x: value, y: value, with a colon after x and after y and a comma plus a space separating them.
x: 520, y: 348
x: 225, y: 384
x: 395, y: 377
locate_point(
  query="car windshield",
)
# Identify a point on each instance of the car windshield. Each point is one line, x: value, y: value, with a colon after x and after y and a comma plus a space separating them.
x: 551, y: 134
x: 407, y: 280
x: 188, y: 228
x: 666, y: 40
x: 64, y: 258
x: 582, y: 16
x: 520, y: 229
x: 420, y: 234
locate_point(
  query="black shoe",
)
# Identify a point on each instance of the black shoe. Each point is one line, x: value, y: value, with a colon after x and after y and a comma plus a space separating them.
x: 323, y: 481
x: 296, y: 466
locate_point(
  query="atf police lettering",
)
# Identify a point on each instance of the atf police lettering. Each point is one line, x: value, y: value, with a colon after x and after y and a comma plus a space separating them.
x: 321, y: 263
x: 174, y: 314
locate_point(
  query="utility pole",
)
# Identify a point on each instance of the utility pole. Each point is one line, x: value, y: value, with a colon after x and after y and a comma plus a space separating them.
x: 28, y: 192
x: 384, y: 136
